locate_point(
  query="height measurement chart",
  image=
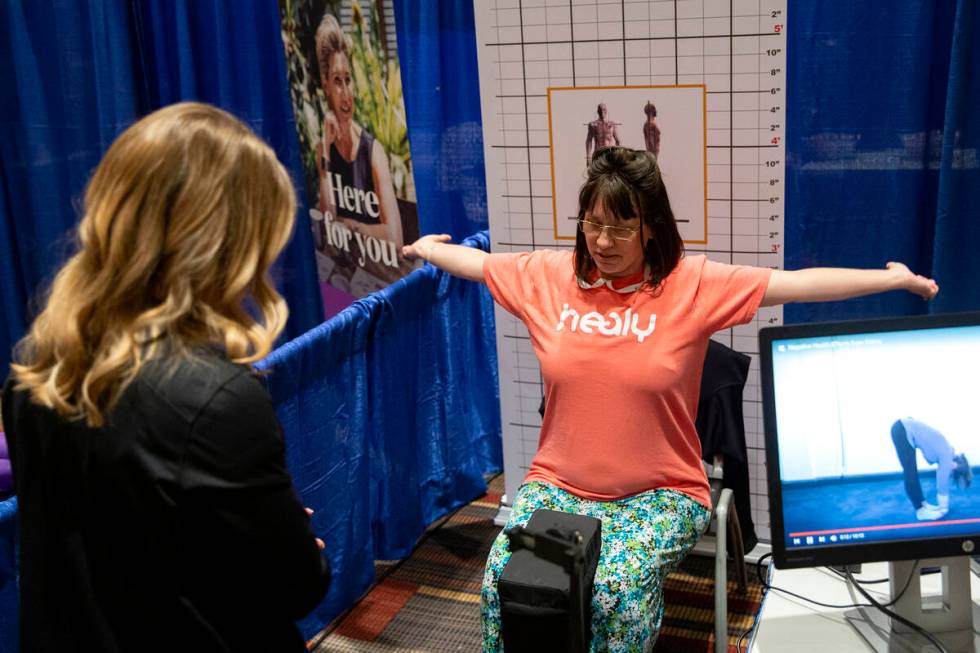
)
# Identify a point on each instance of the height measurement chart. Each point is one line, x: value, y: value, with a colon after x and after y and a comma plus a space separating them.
x: 701, y: 83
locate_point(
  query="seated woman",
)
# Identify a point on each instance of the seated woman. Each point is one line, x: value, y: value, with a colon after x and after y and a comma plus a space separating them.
x: 620, y: 327
x: 156, y: 511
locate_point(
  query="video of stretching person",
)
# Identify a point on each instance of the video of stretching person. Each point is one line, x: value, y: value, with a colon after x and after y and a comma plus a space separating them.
x: 876, y: 435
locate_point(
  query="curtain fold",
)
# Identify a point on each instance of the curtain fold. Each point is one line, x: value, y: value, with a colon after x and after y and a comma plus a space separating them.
x: 8, y: 576
x: 881, y: 153
x: 68, y: 89
x: 957, y: 237
x: 437, y: 51
x: 391, y: 416
x: 231, y: 55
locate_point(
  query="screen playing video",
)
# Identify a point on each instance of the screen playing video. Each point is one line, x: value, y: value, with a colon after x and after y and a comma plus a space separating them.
x: 877, y: 435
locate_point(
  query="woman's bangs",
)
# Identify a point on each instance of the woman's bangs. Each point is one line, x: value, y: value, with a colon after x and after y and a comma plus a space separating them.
x: 616, y: 197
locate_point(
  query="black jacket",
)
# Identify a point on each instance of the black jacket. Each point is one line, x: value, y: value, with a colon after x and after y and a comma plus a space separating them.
x: 175, y: 527
x: 721, y: 427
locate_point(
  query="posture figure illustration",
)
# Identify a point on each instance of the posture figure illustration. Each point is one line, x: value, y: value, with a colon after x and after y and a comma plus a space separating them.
x: 910, y: 434
x: 651, y: 132
x: 602, y: 133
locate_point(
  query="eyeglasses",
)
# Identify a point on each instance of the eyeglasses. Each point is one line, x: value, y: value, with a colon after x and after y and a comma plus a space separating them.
x: 593, y: 229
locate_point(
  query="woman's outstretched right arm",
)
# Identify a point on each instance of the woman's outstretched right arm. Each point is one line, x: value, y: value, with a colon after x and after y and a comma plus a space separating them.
x: 459, y: 261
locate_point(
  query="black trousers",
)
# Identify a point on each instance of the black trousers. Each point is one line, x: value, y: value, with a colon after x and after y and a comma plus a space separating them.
x: 906, y: 456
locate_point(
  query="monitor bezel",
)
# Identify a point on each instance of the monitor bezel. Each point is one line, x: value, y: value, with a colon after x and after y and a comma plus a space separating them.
x: 850, y: 553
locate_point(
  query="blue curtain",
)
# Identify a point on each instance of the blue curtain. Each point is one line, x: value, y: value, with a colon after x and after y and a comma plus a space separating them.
x: 8, y: 576
x: 76, y: 74
x: 881, y: 163
x: 882, y: 152
x: 437, y: 50
x: 955, y: 260
x: 391, y: 418
x: 230, y: 54
x: 69, y: 86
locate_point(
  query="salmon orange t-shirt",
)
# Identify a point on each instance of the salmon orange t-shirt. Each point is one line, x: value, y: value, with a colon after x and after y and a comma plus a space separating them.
x: 622, y: 371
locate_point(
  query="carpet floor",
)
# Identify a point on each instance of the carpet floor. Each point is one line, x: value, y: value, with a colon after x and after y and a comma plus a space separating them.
x: 430, y: 602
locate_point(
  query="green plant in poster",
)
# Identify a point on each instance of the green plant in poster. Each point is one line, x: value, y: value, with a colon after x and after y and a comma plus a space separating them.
x: 296, y: 18
x: 380, y: 105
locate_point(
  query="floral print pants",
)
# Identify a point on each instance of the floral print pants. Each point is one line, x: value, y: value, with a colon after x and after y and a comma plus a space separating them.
x: 644, y: 537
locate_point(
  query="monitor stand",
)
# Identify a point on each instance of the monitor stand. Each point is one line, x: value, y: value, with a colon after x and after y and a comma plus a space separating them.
x: 948, y: 615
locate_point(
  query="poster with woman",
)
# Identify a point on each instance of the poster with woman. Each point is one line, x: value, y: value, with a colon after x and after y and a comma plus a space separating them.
x: 345, y: 84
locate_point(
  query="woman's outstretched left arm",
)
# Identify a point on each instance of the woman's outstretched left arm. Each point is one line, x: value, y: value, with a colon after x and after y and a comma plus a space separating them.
x: 832, y: 284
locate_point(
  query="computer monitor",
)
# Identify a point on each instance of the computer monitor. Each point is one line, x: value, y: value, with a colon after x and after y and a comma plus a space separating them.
x: 872, y: 428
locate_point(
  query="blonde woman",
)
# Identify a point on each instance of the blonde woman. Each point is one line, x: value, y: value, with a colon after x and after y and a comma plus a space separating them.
x: 156, y: 512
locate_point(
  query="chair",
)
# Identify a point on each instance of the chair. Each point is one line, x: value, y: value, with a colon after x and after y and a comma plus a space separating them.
x: 720, y: 427
x: 723, y: 536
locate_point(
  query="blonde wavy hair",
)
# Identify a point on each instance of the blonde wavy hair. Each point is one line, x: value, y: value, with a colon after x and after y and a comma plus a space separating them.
x: 183, y: 218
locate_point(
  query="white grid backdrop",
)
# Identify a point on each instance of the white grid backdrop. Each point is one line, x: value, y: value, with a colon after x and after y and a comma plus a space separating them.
x: 736, y: 48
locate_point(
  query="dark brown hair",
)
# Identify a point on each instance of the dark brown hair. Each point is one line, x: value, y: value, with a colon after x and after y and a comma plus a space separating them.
x: 628, y: 184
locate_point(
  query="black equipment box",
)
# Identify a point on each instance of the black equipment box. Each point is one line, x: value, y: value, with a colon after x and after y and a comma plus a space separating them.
x: 545, y: 588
